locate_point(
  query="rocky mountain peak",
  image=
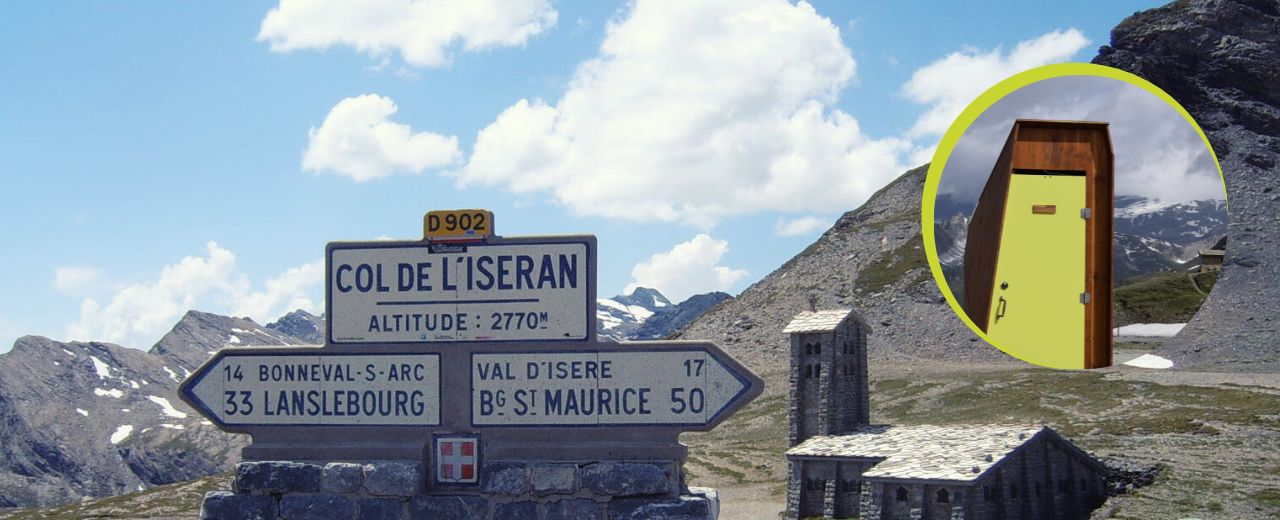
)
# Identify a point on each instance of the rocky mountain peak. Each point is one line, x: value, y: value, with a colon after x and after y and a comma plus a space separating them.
x: 94, y: 419
x: 199, y: 334
x: 302, y: 325
x: 82, y: 419
x: 645, y: 297
x: 671, y: 319
x: 646, y: 314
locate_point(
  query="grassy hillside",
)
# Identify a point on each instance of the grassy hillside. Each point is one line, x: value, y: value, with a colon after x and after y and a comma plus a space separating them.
x: 1162, y: 297
x: 1206, y: 431
x: 179, y: 501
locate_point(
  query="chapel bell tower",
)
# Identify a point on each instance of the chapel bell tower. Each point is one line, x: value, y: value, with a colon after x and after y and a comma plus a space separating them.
x: 829, y: 394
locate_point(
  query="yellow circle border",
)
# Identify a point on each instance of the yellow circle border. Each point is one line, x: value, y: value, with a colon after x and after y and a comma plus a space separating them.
x: 975, y: 109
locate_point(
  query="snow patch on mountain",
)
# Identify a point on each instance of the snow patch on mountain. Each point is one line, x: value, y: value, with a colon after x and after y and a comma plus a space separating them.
x: 1162, y: 330
x: 121, y: 433
x: 103, y: 369
x: 646, y: 314
x: 1144, y: 207
x: 167, y: 407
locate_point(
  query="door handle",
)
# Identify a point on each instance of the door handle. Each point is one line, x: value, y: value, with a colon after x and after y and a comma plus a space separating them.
x: 1000, y: 307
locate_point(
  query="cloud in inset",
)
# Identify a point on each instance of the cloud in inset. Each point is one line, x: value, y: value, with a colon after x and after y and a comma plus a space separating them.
x: 1158, y: 154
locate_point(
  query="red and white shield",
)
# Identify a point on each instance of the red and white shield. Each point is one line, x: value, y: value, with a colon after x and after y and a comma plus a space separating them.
x: 456, y: 459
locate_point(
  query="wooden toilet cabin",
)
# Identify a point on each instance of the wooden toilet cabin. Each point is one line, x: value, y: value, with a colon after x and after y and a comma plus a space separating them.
x: 1038, y: 264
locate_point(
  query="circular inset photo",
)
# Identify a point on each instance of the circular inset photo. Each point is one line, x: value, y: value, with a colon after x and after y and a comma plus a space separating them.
x: 1071, y: 208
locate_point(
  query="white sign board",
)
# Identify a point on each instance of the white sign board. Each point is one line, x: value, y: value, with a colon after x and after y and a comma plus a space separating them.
x: 602, y: 388
x: 319, y: 389
x: 416, y: 292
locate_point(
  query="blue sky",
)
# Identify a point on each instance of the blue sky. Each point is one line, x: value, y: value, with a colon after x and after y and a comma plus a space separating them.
x: 162, y: 156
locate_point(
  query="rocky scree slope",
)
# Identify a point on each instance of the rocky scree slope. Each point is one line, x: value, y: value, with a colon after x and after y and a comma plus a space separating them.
x: 1221, y: 60
x: 97, y: 419
x: 199, y: 334
x: 671, y: 320
x: 873, y: 260
x: 302, y: 325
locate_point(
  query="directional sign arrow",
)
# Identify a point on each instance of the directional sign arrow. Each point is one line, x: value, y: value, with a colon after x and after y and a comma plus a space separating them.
x: 240, y: 388
x: 688, y: 386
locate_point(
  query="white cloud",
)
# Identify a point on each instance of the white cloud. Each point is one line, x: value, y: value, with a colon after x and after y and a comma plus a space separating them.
x: 143, y: 311
x: 426, y: 33
x: 799, y: 226
x: 140, y: 313
x: 357, y: 140
x: 286, y: 292
x: 75, y: 280
x: 687, y: 269
x: 950, y: 84
x: 692, y: 112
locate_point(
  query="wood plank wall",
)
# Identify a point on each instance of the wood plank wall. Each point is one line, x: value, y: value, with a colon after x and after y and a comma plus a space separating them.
x: 984, y: 238
x: 1050, y: 145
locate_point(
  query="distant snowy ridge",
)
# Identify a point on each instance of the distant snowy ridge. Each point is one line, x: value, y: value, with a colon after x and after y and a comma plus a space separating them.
x: 1150, y: 235
x: 645, y: 314
x: 621, y: 315
x: 1144, y: 207
x: 1148, y: 206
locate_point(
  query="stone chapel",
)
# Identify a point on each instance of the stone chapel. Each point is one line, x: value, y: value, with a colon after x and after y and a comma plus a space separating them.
x: 841, y: 466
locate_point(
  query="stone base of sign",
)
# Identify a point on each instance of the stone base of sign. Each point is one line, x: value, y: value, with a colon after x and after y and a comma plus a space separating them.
x: 508, y: 490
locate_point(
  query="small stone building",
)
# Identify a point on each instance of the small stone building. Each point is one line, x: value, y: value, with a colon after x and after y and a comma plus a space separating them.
x: 829, y: 376
x: 1211, y: 259
x: 843, y: 467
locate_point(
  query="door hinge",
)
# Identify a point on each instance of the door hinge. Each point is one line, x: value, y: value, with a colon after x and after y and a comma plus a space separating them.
x: 1085, y: 297
x: 1086, y: 213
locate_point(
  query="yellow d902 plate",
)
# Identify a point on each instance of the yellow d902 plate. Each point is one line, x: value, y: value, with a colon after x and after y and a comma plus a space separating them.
x: 457, y: 224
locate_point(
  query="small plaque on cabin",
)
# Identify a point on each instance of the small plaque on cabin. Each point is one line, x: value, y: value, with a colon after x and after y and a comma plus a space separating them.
x: 1044, y: 209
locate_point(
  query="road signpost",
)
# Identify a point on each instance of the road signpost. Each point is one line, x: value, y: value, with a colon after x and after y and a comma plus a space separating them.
x: 467, y: 348
x: 240, y: 388
x: 525, y: 289
x: 668, y: 384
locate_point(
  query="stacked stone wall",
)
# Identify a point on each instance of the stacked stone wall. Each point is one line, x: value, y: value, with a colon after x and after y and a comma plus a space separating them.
x: 397, y: 490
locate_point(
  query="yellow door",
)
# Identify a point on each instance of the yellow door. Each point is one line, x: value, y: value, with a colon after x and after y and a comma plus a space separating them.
x: 1036, y: 312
